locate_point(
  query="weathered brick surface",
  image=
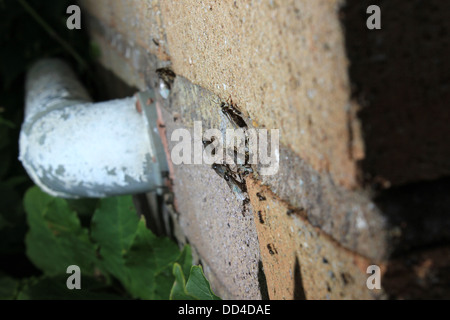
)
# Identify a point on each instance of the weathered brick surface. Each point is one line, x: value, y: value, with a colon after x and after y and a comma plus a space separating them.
x: 348, y: 216
x: 285, y: 67
x: 349, y: 144
x: 301, y: 261
x: 294, y: 70
x: 277, y: 64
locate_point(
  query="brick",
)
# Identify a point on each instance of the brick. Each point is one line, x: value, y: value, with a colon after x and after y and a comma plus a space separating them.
x: 359, y: 137
x: 300, y: 261
x: 298, y: 78
x: 275, y: 63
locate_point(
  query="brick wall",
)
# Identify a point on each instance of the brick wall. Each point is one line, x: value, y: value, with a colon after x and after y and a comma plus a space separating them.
x: 364, y: 164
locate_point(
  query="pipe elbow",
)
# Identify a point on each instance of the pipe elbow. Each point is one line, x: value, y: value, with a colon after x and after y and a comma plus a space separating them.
x: 72, y: 147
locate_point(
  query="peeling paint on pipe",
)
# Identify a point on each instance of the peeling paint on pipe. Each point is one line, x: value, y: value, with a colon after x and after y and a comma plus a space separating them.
x: 72, y: 147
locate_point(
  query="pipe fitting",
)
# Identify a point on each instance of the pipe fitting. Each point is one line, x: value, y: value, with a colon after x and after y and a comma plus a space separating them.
x: 72, y: 147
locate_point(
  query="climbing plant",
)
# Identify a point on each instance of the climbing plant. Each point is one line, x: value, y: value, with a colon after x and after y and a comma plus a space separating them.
x: 118, y: 257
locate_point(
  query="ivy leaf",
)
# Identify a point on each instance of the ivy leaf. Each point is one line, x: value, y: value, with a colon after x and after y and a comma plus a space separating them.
x: 147, y: 262
x: 165, y: 279
x: 185, y: 260
x: 149, y: 267
x: 129, y: 251
x: 197, y: 286
x: 179, y: 291
x: 114, y: 227
x: 56, y: 239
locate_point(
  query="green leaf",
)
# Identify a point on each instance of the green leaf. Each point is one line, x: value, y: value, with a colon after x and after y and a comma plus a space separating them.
x: 164, y: 280
x: 56, y: 239
x: 179, y: 291
x: 196, y: 288
x: 185, y: 260
x: 148, y: 262
x: 130, y: 252
x: 8, y: 287
x: 141, y: 261
x: 55, y: 288
x: 114, y: 226
x: 163, y: 283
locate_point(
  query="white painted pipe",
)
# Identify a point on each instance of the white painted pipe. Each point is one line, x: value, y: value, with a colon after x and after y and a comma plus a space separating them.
x: 72, y: 147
